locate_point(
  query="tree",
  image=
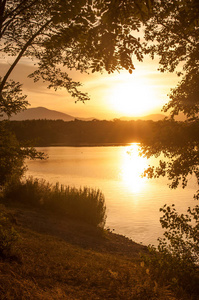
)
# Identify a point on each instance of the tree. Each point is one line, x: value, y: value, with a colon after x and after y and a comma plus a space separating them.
x: 59, y: 36
x: 68, y: 34
x: 12, y: 156
x: 172, y: 34
x: 174, y: 28
x: 173, y: 31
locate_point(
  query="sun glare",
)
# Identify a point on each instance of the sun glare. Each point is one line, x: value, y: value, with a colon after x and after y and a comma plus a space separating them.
x: 133, y: 97
x: 132, y: 167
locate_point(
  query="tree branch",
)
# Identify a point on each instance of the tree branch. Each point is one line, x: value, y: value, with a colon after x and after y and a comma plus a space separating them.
x: 2, y: 9
x: 6, y: 24
x: 182, y: 36
x: 28, y: 43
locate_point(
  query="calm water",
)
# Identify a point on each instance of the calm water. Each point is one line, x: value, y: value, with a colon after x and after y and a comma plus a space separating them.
x: 132, y: 202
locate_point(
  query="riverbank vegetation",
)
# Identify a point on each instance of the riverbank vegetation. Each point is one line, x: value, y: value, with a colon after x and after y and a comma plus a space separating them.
x: 53, y: 257
x: 83, y: 204
x: 39, y: 259
x: 53, y: 245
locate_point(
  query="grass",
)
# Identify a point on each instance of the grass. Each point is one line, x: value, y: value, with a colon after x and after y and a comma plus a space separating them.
x: 83, y: 204
x: 67, y: 259
x: 53, y: 245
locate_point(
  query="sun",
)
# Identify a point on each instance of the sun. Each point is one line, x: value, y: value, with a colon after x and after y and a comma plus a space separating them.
x: 133, y: 97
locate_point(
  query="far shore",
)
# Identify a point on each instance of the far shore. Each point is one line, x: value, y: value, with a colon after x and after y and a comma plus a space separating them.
x: 87, y: 145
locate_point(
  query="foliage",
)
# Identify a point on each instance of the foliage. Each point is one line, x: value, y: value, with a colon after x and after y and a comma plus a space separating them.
x: 58, y: 132
x: 182, y: 232
x: 176, y: 262
x: 59, y: 36
x: 8, y: 236
x: 12, y: 156
x: 173, y: 31
x: 172, y: 34
x: 75, y: 34
x: 12, y: 101
x: 83, y: 203
x: 179, y: 142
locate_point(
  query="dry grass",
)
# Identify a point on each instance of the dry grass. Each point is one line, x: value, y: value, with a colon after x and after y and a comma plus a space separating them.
x: 66, y: 259
x: 84, y: 204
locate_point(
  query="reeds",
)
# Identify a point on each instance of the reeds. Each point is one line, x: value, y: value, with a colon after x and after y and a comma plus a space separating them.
x: 85, y: 203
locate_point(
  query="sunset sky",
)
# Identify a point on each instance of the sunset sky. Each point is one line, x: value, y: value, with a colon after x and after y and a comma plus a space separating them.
x: 112, y: 96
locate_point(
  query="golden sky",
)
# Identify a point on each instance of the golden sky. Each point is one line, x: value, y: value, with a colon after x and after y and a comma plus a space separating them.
x: 112, y: 96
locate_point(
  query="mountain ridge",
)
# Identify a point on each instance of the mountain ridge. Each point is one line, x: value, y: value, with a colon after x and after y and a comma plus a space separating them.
x: 153, y: 117
x: 40, y: 112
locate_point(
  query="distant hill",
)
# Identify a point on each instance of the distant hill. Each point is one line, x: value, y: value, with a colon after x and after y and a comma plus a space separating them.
x: 48, y: 114
x: 153, y: 117
x: 43, y: 113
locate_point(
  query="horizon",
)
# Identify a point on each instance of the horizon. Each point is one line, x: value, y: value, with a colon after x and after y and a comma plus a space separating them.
x: 144, y: 92
x: 13, y: 117
x: 153, y: 116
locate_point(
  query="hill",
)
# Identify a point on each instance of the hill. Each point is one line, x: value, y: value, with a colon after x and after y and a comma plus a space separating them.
x: 153, y: 117
x: 48, y: 114
x: 43, y: 113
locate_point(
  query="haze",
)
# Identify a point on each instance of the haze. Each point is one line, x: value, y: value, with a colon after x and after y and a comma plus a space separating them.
x: 112, y: 96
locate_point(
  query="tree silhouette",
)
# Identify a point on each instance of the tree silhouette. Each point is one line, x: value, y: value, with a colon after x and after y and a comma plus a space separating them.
x: 172, y: 34
x: 173, y: 31
x: 62, y: 35
x: 58, y: 36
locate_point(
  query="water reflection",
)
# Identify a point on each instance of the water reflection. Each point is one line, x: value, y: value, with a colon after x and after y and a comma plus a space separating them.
x: 133, y: 166
x: 132, y: 202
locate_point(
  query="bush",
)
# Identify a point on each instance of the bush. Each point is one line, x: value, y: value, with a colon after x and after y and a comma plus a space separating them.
x: 84, y: 203
x: 176, y: 263
x: 8, y: 236
x: 13, y: 155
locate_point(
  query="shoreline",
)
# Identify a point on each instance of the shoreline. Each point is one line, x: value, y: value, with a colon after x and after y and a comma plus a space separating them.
x: 62, y: 258
x: 88, y: 145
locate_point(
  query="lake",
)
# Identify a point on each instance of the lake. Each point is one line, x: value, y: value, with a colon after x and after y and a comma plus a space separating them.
x: 132, y: 202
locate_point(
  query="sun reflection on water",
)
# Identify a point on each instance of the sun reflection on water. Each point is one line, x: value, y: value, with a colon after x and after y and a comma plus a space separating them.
x: 132, y: 168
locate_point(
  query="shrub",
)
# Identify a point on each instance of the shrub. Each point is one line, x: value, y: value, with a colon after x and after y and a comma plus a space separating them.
x: 30, y: 191
x: 176, y: 261
x: 13, y: 155
x: 8, y: 236
x: 84, y: 203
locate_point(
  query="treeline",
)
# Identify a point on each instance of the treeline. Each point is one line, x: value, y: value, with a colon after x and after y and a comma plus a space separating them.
x: 58, y: 132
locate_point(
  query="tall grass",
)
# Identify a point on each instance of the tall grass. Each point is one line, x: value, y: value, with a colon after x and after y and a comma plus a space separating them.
x: 86, y: 204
